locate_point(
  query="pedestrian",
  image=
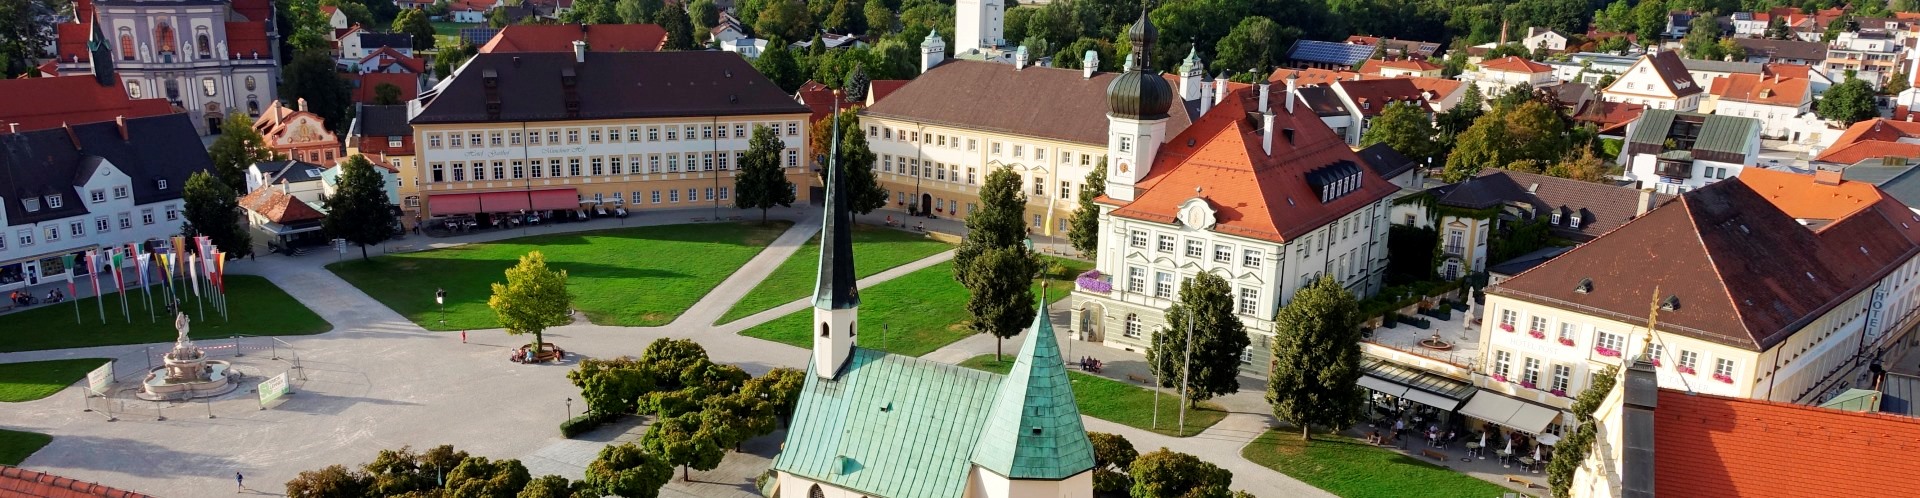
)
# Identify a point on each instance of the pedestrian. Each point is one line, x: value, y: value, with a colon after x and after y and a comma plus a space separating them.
x: 463, y: 337
x: 240, y: 481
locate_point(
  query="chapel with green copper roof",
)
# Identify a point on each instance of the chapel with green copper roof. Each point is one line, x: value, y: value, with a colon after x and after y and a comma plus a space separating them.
x: 873, y: 424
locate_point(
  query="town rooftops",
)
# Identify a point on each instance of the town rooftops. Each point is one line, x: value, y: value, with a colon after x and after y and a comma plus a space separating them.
x: 369, y: 40
x: 1513, y: 64
x: 1042, y: 102
x: 381, y: 121
x: 1395, y: 47
x: 1374, y: 95
x: 41, y: 103
x: 1751, y: 259
x: 1385, y: 161
x: 1311, y: 76
x: 1574, y: 209
x: 1401, y: 64
x: 1322, y: 101
x: 279, y: 207
x: 1707, y: 445
x: 1713, y: 66
x: 1764, y: 90
x: 1310, y: 179
x: 15, y: 481
x: 1610, y: 117
x: 1783, y: 49
x: 1673, y: 72
x: 157, y: 152
x: 552, y: 86
x: 1714, y: 137
x: 560, y: 38
x: 291, y: 172
x: 1874, y: 139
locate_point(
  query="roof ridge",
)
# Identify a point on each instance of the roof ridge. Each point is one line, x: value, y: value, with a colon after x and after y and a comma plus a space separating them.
x: 1714, y: 266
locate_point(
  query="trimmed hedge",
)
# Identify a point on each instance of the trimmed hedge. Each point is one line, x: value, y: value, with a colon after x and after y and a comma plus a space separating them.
x: 583, y: 423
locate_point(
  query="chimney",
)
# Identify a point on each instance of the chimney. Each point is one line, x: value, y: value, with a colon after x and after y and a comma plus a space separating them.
x: 122, y: 121
x: 1266, y: 130
x: 1826, y: 177
x: 580, y: 51
x: 1262, y: 90
x: 1206, y: 98
x: 1089, y: 64
x: 1636, y: 433
x: 1293, y: 90
x: 1220, y: 88
x: 1646, y: 203
x: 71, y: 135
x: 303, y: 104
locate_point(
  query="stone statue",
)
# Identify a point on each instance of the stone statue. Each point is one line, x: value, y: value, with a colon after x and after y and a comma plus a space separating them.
x: 180, y: 324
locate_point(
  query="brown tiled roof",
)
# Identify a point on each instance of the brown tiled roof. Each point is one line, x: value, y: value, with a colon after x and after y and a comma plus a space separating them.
x: 1440, y: 88
x: 1322, y: 101
x: 366, y: 92
x: 276, y: 206
x: 1402, y: 64
x: 23, y: 483
x: 1039, y: 102
x: 1783, y: 49
x: 1601, y: 207
x: 1311, y: 76
x: 560, y: 37
x: 1374, y: 95
x: 1706, y: 445
x: 1610, y: 117
x: 1746, y: 273
x: 1778, y: 90
x: 1256, y: 195
x: 609, y: 85
x: 1673, y: 72
x: 1513, y: 64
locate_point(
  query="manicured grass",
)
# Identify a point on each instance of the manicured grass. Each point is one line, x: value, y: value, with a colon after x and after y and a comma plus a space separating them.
x: 644, y: 276
x: 33, y: 380
x: 1346, y: 467
x: 875, y: 250
x: 254, y: 305
x: 1120, y: 402
x: 912, y: 315
x: 16, y: 446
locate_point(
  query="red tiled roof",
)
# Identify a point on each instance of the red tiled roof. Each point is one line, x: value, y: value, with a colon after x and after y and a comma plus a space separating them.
x: 1673, y: 72
x: 1044, y: 102
x: 1311, y: 76
x: 1512, y: 64
x: 1609, y: 115
x: 278, y: 207
x: 329, y: 9
x: 880, y: 89
x: 259, y: 11
x: 1706, y: 445
x: 471, y: 5
x: 1786, y: 70
x: 384, y: 56
x: 817, y: 97
x: 409, y: 86
x: 560, y: 37
x: 1873, y: 138
x: 1746, y: 272
x: 1256, y: 195
x: 50, y: 68
x: 1374, y: 95
x: 72, y: 99
x: 1402, y: 64
x: 1778, y: 90
x: 1439, y: 88
x: 244, y: 39
x: 72, y: 41
x: 15, y: 481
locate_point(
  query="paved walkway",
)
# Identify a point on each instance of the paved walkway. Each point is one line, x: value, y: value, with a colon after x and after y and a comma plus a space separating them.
x: 378, y: 381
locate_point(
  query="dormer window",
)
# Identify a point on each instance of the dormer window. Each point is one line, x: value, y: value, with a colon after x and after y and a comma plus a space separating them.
x: 31, y: 203
x: 54, y: 201
x: 1574, y: 221
x: 1556, y: 218
x: 160, y: 184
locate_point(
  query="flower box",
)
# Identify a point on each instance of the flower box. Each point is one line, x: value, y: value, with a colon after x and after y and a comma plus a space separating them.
x: 1566, y: 341
x: 1559, y: 392
x: 1684, y: 369
x: 1537, y: 334
x: 1656, y: 362
x: 1506, y: 327
x: 1607, y: 352
x: 1723, y: 378
x: 1499, y: 378
x: 1093, y: 281
x: 1526, y: 384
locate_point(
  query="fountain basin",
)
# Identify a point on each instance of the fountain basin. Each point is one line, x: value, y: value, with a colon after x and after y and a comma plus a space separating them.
x: 158, y: 386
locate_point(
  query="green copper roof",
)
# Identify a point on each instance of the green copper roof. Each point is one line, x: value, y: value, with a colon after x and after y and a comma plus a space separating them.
x: 1855, y: 400
x: 1034, y: 430
x: 890, y: 426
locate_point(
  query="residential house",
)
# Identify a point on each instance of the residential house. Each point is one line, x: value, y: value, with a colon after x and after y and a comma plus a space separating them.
x: 1705, y: 72
x: 1572, y: 96
x: 361, y: 43
x: 1397, y: 168
x: 366, y: 87
x: 1257, y: 190
x: 1610, y: 119
x: 1777, y: 101
x: 1877, y: 141
x: 297, y: 134
x: 1870, y: 55
x: 335, y: 18
x: 99, y: 185
x: 1673, y: 152
x: 91, y: 97
x: 1679, y: 22
x: 727, y: 29
x: 381, y: 134
x: 1323, y: 101
x: 1311, y: 77
x: 1659, y: 80
x: 748, y: 47
x: 1495, y: 76
x: 297, y: 178
x: 1771, y: 285
x: 470, y: 11
x: 1750, y: 24
x: 560, y: 38
x: 211, y: 58
x: 1590, y: 67
x: 548, y: 132
x: 1335, y: 56
x: 1400, y: 68
x: 1366, y: 99
x: 1544, y: 39
x: 1471, y: 213
x: 1767, y: 51
x: 1397, y: 49
x: 277, y: 219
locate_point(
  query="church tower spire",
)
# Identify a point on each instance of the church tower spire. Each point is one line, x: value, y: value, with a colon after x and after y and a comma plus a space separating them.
x: 1137, y: 105
x: 1034, y: 434
x: 836, y: 302
x: 100, y: 57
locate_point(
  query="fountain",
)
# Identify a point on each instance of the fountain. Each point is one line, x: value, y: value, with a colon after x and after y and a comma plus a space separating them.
x: 1436, y: 343
x: 187, y: 373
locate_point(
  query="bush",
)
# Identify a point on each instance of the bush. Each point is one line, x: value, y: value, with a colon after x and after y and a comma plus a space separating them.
x: 1389, y: 320
x: 581, y: 424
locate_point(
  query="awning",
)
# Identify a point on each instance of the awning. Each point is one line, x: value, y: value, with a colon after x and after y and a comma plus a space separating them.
x: 1431, y: 399
x: 444, y: 204
x: 562, y: 198
x: 1383, y: 387
x: 1509, y: 412
x: 503, y: 201
x: 1414, y: 385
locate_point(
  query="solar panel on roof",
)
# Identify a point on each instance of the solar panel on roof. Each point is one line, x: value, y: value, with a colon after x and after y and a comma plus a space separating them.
x: 1329, y: 52
x: 477, y: 36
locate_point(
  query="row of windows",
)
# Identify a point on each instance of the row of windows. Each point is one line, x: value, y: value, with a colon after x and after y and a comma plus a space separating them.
x: 1163, y: 288
x: 27, y: 237
x: 875, y: 132
x: 671, y: 196
x: 100, y: 195
x: 460, y: 171
x: 596, y: 135
x: 1195, y: 248
x: 1604, y: 343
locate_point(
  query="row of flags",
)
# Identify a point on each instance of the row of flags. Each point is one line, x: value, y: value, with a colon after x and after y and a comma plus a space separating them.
x: 176, y: 271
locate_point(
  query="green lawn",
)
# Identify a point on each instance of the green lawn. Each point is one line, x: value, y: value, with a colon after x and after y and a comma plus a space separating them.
x: 875, y: 250
x: 1350, y: 468
x: 16, y: 446
x: 255, y: 306
x: 447, y: 33
x: 644, y: 276
x: 38, y: 379
x: 1120, y: 402
x: 916, y: 313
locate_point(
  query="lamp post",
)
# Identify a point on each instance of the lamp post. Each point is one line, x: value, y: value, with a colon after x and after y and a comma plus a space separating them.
x: 569, y: 407
x: 440, y: 298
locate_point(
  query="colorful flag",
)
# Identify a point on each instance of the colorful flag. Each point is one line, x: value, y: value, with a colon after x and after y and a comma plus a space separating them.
x: 93, y: 270
x: 1048, y: 229
x: 139, y: 264
x: 115, y: 259
x: 67, y: 260
x: 220, y: 272
x: 193, y: 273
x: 166, y: 265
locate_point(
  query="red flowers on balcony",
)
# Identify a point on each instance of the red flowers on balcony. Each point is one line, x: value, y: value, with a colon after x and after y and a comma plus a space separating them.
x: 1506, y: 326
x: 1606, y: 351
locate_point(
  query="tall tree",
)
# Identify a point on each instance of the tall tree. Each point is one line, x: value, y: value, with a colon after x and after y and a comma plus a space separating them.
x: 1205, y: 312
x: 533, y: 299
x: 704, y: 14
x: 856, y: 160
x: 1848, y: 102
x: 762, y: 182
x: 1316, y: 358
x: 784, y: 19
x: 686, y: 442
x: 480, y: 477
x: 1578, y: 443
x: 1085, y: 232
x: 1406, y: 127
x: 845, y: 17
x: 1777, y: 28
x: 780, y: 388
x: 386, y: 94
x: 359, y: 210
x: 778, y: 64
x: 1585, y: 167
x: 1254, y: 43
x: 237, y: 148
x: 637, y: 11
x: 993, y: 261
x: 23, y: 31
x: 414, y: 22
x: 311, y: 75
x: 553, y: 486
x: 1112, y: 456
x: 879, y: 19
x: 309, y: 27
x: 679, y: 28
x: 213, y: 211
x: 627, y: 471
x: 1170, y: 474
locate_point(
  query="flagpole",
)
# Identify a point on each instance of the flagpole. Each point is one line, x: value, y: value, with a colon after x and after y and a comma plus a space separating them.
x: 68, y: 260
x: 93, y: 277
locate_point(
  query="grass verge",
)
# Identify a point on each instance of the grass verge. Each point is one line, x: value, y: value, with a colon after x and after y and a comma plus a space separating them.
x: 1347, y: 467
x: 255, y: 307
x: 876, y: 250
x: 1120, y: 402
x: 16, y: 446
x: 22, y: 382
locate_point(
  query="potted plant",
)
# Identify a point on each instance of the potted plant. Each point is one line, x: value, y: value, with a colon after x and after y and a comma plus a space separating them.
x: 1724, y: 378
x: 1566, y: 341
x: 1559, y: 392
x: 1499, y: 378
x: 1606, y: 351
x: 1537, y: 334
x: 1526, y: 384
x: 1506, y: 327
x: 1684, y: 369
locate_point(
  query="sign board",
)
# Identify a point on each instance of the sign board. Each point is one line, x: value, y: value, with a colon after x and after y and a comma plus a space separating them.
x: 273, y: 388
x: 100, y: 379
x: 340, y: 245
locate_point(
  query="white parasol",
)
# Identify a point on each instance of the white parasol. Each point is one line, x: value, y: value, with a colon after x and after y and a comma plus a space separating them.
x: 1509, y: 449
x: 1548, y: 439
x: 1536, y: 453
x: 1483, y: 439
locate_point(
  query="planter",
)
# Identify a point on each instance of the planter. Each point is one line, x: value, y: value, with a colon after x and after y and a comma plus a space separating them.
x: 1604, y: 351
x: 1566, y: 342
x: 1506, y: 327
x: 1559, y: 392
x: 1684, y: 369
x: 1525, y: 384
x: 1537, y: 334
x: 1093, y: 281
x: 1723, y: 378
x: 1499, y: 378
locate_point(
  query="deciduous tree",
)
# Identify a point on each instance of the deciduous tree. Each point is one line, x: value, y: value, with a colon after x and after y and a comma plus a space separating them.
x: 553, y: 486
x: 237, y: 148
x: 1169, y: 474
x: 311, y: 75
x: 23, y: 32
x: 762, y: 181
x: 1254, y: 43
x: 993, y: 261
x: 480, y: 477
x: 533, y: 299
x: 386, y: 94
x: 1113, y: 455
x: 777, y: 64
x: 686, y: 442
x: 1085, y: 227
x: 1316, y: 358
x: 333, y: 481
x: 879, y: 18
x: 1404, y: 126
x: 414, y: 22
x: 856, y: 161
x: 213, y: 211
x: 679, y: 27
x: 627, y: 471
x: 359, y: 210
x: 1204, y: 313
x: 1848, y: 102
x: 785, y: 19
x: 309, y: 28
x: 1585, y: 167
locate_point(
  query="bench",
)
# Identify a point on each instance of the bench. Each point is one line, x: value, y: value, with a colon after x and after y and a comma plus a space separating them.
x: 1137, y: 378
x: 1516, y: 479
x: 697, y: 220
x: 1434, y: 454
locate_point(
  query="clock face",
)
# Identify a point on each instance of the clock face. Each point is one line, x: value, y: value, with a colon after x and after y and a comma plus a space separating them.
x: 1124, y: 166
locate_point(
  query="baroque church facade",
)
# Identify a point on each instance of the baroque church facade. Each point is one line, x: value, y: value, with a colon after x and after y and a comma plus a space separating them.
x: 212, y: 59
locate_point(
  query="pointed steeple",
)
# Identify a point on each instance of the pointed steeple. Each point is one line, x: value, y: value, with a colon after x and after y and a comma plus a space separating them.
x: 100, y: 57
x: 834, y: 288
x: 1033, y: 429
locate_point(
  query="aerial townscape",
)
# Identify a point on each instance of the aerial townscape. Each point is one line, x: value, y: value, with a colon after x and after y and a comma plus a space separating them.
x: 959, y: 248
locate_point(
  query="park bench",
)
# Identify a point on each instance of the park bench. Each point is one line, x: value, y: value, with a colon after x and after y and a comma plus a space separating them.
x: 1137, y: 378
x: 1434, y: 454
x: 548, y: 352
x: 1515, y: 479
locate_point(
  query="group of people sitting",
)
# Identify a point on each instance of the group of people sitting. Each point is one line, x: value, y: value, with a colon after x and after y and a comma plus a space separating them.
x: 25, y: 298
x: 1090, y: 364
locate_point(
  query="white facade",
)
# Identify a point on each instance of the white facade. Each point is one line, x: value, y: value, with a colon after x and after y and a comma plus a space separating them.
x: 352, y: 50
x: 31, y: 252
x: 1776, y: 121
x: 179, y: 52
x: 1541, y: 38
x: 944, y: 169
x: 1642, y: 84
x: 1494, y: 82
x: 1703, y: 173
x: 978, y: 24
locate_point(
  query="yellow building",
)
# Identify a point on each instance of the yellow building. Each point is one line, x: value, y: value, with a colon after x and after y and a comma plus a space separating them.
x: 595, y: 132
x: 381, y: 134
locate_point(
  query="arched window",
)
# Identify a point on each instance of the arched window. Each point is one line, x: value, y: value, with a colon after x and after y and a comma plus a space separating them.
x: 163, y: 42
x: 815, y: 492
x: 825, y: 328
x: 203, y: 44
x: 253, y: 106
x: 126, y: 44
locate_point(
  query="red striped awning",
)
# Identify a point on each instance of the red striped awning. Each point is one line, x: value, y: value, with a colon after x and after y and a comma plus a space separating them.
x: 445, y: 204
x: 503, y: 202
x: 560, y: 198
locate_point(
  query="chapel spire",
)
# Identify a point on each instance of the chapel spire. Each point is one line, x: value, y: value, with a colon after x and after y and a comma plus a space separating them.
x: 1033, y: 427
x: 836, y: 302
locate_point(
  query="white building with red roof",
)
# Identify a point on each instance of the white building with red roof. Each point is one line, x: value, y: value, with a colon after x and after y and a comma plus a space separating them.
x: 1659, y: 80
x: 1497, y: 75
x: 211, y: 58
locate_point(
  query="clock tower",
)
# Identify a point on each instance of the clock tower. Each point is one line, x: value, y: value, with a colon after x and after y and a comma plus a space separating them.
x: 1137, y: 104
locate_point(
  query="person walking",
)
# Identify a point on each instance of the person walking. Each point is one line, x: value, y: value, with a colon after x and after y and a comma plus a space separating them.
x: 463, y: 337
x: 240, y: 482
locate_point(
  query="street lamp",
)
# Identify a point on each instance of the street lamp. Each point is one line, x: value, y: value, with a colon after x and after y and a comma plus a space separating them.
x: 440, y: 298
x: 569, y: 406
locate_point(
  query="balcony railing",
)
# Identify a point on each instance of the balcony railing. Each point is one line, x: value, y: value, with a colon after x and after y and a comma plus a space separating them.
x: 1455, y: 250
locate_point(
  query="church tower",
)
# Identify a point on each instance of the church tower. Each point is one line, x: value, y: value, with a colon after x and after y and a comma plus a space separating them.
x: 100, y: 57
x: 836, y: 303
x: 933, y: 51
x: 1137, y: 104
x: 978, y: 24
x: 1034, y: 443
x: 1193, y: 76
